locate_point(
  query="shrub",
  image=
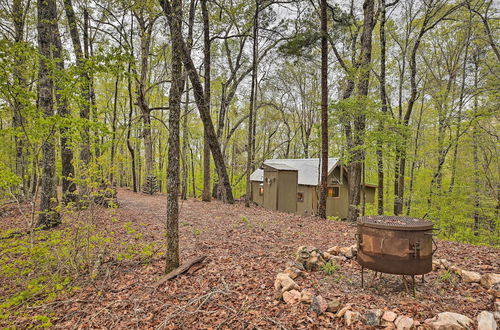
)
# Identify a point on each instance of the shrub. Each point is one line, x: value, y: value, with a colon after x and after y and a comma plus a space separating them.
x: 330, y: 268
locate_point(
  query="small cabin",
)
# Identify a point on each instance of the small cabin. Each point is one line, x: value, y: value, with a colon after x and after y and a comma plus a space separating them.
x: 293, y: 185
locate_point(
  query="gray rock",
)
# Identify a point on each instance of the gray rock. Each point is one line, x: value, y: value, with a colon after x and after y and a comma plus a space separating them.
x: 488, y: 280
x: 293, y: 272
x: 351, y: 317
x: 372, y: 317
x: 448, y: 320
x: 470, y: 277
x: 333, y: 306
x: 333, y: 250
x: 284, y: 283
x: 347, y: 252
x: 294, y: 264
x: 495, y: 290
x: 338, y: 259
x: 319, y: 305
x: 306, y: 296
x: 403, y: 323
x: 343, y: 310
x: 486, y: 321
x: 310, y: 257
x: 291, y: 297
x: 389, y: 316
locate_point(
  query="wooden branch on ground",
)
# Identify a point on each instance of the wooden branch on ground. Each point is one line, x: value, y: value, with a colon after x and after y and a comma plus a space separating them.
x: 181, y: 269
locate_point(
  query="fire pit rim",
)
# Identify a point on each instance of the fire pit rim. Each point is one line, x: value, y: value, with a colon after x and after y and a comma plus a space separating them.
x: 387, y: 222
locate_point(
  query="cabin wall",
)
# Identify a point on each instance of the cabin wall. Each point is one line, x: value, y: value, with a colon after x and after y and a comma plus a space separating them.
x: 334, y: 177
x: 281, y: 193
x: 287, y: 191
x: 306, y: 207
x: 256, y: 196
x: 270, y: 189
x: 338, y: 206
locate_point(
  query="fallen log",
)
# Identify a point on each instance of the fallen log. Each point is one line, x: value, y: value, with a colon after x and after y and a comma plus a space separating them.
x: 181, y: 269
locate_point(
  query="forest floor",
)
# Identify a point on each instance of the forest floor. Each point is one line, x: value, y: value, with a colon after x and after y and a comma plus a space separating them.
x: 245, y: 249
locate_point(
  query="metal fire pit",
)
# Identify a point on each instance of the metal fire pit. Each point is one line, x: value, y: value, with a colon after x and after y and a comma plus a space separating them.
x: 395, y: 244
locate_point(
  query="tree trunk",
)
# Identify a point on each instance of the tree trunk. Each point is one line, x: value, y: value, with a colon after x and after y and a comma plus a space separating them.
x: 185, y: 136
x: 251, y: 108
x: 427, y: 24
x: 18, y: 14
x: 67, y: 168
x: 357, y: 151
x: 148, y: 141
x: 129, y: 127
x: 85, y: 89
x: 114, y: 119
x: 145, y: 31
x: 415, y: 154
x: 203, y: 109
x: 88, y: 52
x: 206, y: 196
x: 193, y: 178
x: 185, y: 129
x: 475, y: 140
x: 383, y: 101
x: 324, y: 112
x: 46, y: 26
x: 460, y: 108
x: 172, y: 228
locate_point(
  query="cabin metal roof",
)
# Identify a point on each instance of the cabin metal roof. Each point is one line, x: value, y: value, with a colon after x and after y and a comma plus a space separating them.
x: 280, y: 166
x: 308, y: 169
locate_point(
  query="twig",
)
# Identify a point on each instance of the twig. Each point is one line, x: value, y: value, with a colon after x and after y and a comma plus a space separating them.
x: 276, y: 322
x: 105, y: 308
x: 229, y: 318
x: 204, y: 299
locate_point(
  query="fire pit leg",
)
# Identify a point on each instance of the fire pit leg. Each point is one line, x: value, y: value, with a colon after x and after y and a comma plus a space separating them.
x: 423, y: 281
x: 413, y: 285
x: 405, y: 283
x: 362, y: 277
x: 374, y: 278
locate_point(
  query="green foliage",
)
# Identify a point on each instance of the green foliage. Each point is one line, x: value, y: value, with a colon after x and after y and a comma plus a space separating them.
x: 330, y: 268
x: 8, y: 181
x: 447, y: 276
x: 38, y: 267
x: 135, y: 247
x: 45, y: 264
x: 247, y: 222
x: 301, y: 44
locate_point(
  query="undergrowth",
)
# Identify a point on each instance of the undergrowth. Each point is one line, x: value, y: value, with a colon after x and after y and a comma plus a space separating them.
x: 39, y: 266
x: 330, y: 268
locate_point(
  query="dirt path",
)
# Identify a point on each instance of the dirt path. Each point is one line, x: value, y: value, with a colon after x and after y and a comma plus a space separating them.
x: 245, y: 249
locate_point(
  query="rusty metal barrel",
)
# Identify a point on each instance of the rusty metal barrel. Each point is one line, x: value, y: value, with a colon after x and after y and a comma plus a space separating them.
x: 395, y: 244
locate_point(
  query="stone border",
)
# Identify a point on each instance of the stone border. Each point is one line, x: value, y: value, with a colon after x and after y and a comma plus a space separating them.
x: 309, y: 258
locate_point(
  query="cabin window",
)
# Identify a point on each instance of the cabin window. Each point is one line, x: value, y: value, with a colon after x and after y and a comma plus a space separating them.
x: 261, y: 189
x: 333, y: 192
x: 300, y: 197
